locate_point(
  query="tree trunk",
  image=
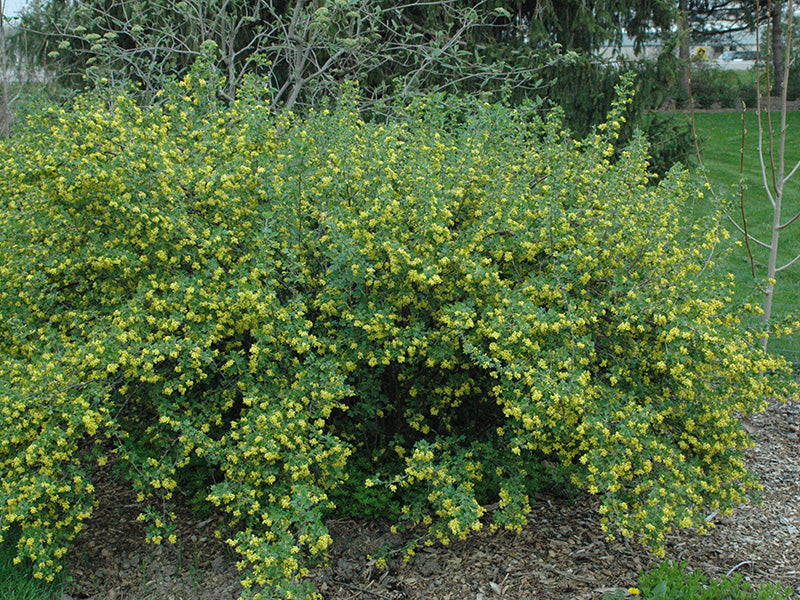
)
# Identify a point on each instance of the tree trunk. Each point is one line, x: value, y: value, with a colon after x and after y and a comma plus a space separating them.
x: 5, y: 108
x: 683, y: 51
x: 776, y: 46
x: 777, y: 167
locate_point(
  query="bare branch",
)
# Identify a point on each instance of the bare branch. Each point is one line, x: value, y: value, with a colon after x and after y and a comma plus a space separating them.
x: 764, y: 170
x: 741, y: 199
x: 789, y: 222
x: 749, y: 236
x: 792, y: 172
x: 789, y: 264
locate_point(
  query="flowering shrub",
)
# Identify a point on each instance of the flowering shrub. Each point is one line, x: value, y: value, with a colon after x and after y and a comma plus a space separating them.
x: 436, y: 307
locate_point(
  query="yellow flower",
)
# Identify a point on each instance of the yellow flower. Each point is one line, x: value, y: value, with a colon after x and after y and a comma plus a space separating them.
x: 634, y: 591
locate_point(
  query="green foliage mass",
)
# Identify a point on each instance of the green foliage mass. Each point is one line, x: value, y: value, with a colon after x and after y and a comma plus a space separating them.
x: 433, y: 306
x: 671, y: 581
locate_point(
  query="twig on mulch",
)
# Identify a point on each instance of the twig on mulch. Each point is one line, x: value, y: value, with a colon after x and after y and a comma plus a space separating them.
x: 362, y: 590
x: 744, y: 562
x: 566, y: 574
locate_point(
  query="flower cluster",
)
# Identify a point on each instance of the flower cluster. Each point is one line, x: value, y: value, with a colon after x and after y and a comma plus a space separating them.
x: 438, y: 307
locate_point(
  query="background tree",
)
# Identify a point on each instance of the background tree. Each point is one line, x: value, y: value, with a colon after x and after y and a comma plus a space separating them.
x: 779, y: 43
x: 5, y: 112
x: 9, y: 93
x: 708, y: 20
x: 303, y: 50
x: 300, y: 52
x: 586, y: 26
x: 444, y: 44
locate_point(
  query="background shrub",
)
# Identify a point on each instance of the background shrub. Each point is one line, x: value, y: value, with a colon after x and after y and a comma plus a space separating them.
x: 434, y: 307
x: 719, y: 88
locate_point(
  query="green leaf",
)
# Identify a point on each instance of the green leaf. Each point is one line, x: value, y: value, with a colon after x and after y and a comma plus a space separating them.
x: 660, y: 591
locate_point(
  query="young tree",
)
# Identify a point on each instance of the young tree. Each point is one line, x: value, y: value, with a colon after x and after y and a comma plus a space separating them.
x: 776, y: 174
x: 774, y: 167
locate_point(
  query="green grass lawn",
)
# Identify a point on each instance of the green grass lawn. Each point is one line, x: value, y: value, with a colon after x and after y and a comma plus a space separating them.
x: 720, y: 136
x: 17, y: 582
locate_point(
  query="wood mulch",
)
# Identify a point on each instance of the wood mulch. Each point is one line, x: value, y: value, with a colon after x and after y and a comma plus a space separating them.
x: 560, y: 555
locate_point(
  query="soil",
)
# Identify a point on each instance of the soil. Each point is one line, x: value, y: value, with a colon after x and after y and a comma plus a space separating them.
x: 560, y: 555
